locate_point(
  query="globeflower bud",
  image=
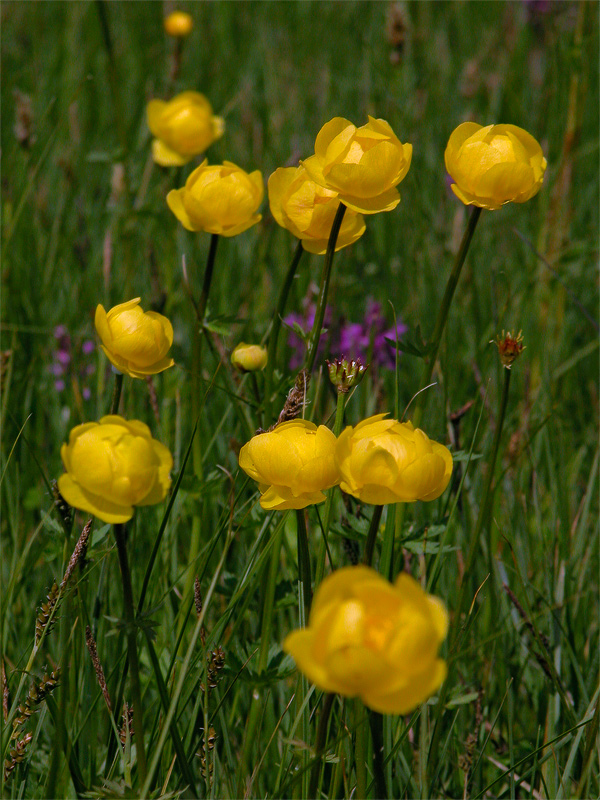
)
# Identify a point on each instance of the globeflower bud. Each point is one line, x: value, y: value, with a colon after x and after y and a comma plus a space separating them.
x: 371, y: 639
x: 112, y: 466
x: 385, y: 461
x: 494, y: 165
x: 293, y: 464
x: 345, y: 373
x: 307, y: 210
x: 178, y: 24
x: 249, y: 357
x: 364, y: 165
x: 184, y: 127
x: 221, y: 198
x: 136, y: 342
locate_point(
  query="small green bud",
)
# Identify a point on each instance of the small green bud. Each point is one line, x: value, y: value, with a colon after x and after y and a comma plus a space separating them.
x: 345, y: 373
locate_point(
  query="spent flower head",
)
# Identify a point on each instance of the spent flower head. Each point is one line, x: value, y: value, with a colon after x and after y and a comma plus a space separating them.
x: 509, y: 347
x: 344, y: 373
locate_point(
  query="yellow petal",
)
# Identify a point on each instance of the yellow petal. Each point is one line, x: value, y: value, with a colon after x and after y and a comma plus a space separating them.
x: 165, y: 156
x: 175, y: 203
x: 80, y: 498
x: 154, y: 112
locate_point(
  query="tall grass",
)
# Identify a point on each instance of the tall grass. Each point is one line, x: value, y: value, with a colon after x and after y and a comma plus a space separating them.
x: 84, y: 221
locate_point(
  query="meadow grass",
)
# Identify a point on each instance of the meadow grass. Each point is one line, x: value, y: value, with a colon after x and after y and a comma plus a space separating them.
x: 84, y: 221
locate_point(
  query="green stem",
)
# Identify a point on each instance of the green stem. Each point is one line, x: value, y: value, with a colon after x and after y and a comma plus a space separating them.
x: 442, y: 317
x: 337, y: 429
x: 303, y: 561
x: 276, y: 327
x: 360, y: 751
x: 116, y: 397
x: 257, y: 706
x: 372, y: 535
x: 376, y: 722
x: 113, y: 79
x: 320, y: 744
x: 132, y: 653
x: 200, y: 309
x: 484, y: 511
x: 315, y: 335
x: 208, y: 275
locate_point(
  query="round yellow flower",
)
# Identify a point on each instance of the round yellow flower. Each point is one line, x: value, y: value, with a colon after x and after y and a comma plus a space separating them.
x: 385, y: 461
x: 112, y: 466
x: 184, y: 127
x: 249, y: 357
x: 494, y: 165
x: 178, y: 24
x: 371, y: 639
x: 364, y: 165
x: 220, y: 198
x: 135, y: 341
x: 293, y: 464
x: 307, y: 210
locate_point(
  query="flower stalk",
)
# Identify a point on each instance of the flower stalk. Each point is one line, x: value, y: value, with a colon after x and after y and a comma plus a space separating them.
x: 132, y: 653
x: 116, y: 396
x: 372, y: 535
x: 442, y: 317
x: 276, y: 327
x: 315, y: 335
x: 303, y: 561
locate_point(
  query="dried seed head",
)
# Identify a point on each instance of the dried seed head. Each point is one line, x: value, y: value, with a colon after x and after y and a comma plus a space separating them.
x: 44, y: 621
x: 37, y: 692
x: 126, y: 725
x: 79, y: 552
x: 16, y: 755
x: 206, y: 746
x: 5, y: 695
x: 91, y: 646
x: 296, y: 399
x: 216, y: 662
x: 509, y: 347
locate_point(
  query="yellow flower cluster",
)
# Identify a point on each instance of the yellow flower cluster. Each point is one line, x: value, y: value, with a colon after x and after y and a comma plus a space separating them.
x: 357, y: 166
x: 184, y: 127
x: 370, y: 639
x: 379, y: 461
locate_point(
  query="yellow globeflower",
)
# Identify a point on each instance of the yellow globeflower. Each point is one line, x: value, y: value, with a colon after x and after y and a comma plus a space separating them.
x: 494, y: 165
x: 135, y: 341
x: 184, y: 127
x: 249, y: 357
x: 112, y: 466
x: 385, y: 461
x: 220, y: 198
x: 364, y: 165
x: 179, y: 24
x: 371, y: 639
x: 293, y: 464
x: 307, y: 210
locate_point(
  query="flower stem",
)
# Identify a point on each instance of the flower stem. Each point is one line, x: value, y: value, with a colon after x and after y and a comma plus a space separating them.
x: 258, y: 698
x: 320, y: 744
x: 116, y: 397
x: 376, y: 723
x: 303, y: 561
x: 337, y: 429
x: 484, y: 511
x: 276, y: 327
x: 360, y: 749
x: 372, y: 535
x: 315, y: 335
x: 132, y: 653
x: 442, y: 317
x: 200, y: 309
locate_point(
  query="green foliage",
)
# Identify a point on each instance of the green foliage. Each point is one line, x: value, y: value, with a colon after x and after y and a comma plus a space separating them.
x: 84, y: 221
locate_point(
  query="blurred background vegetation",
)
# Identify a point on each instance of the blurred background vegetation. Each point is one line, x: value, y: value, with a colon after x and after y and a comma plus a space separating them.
x: 84, y: 221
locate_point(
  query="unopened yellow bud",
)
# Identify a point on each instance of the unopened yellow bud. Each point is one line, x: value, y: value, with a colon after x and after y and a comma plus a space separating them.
x: 179, y: 24
x: 249, y: 357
